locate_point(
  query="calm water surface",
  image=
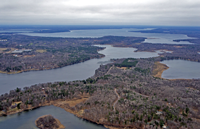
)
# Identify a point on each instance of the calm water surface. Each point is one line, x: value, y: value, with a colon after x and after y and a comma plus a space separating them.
x: 78, y: 71
x: 14, y: 31
x: 181, y: 69
x: 151, y: 37
x: 26, y: 120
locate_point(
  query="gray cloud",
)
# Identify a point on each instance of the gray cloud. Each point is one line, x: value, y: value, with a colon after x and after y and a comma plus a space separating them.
x: 144, y: 12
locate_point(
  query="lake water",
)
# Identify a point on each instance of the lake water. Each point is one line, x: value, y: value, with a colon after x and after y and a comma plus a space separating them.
x: 78, y: 71
x: 14, y: 31
x: 151, y: 37
x: 181, y: 69
x: 26, y: 120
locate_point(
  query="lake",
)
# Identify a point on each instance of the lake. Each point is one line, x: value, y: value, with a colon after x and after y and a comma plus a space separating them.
x: 181, y: 69
x: 78, y: 71
x: 26, y: 120
x: 96, y: 33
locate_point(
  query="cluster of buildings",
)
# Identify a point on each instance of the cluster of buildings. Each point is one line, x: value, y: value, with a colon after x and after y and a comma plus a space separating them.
x: 3, y: 40
x: 21, y: 51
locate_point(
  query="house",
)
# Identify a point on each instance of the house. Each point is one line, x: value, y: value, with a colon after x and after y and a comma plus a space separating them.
x: 164, y: 127
x: 17, y: 51
x: 26, y: 50
x: 159, y: 113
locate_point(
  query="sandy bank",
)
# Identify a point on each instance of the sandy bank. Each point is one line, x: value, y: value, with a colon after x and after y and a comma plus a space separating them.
x: 158, y: 69
x: 15, y: 72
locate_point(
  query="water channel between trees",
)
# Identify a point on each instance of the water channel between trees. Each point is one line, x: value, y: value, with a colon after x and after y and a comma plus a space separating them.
x: 80, y: 71
x: 26, y: 120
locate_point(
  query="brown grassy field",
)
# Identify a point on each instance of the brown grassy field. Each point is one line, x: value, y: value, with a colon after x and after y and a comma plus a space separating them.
x: 41, y: 50
x: 158, y: 69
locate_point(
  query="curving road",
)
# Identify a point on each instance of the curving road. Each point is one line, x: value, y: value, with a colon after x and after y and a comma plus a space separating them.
x: 118, y: 97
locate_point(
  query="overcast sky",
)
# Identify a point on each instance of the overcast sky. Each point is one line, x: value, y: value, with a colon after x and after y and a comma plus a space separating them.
x: 100, y: 12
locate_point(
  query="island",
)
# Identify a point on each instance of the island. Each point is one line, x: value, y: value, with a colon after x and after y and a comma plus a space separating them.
x: 127, y: 93
x: 48, y: 122
x: 21, y: 53
x: 123, y: 94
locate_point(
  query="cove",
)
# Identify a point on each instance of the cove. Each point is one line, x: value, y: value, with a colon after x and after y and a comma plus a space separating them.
x: 78, y: 71
x: 26, y: 120
x: 181, y: 69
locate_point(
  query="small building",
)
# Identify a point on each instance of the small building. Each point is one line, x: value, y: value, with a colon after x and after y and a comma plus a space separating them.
x: 26, y: 50
x: 3, y: 40
x: 21, y: 51
x: 159, y: 113
x: 164, y: 127
x: 17, y: 51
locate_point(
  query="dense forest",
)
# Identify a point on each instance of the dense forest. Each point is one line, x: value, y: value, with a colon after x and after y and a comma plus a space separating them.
x: 50, y: 53
x: 117, y: 97
x: 122, y: 94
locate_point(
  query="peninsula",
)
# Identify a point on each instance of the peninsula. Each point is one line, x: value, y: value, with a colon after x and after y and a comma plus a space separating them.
x: 116, y: 97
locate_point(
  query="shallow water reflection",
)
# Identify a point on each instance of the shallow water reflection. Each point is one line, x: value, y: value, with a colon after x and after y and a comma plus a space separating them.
x: 96, y: 33
x: 181, y: 69
x: 26, y: 120
x: 78, y: 71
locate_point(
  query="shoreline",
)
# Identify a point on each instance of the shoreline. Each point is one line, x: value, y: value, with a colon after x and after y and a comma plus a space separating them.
x: 161, y: 50
x: 74, y: 106
x: 68, y: 106
x: 158, y: 69
x: 29, y: 70
x: 16, y: 72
